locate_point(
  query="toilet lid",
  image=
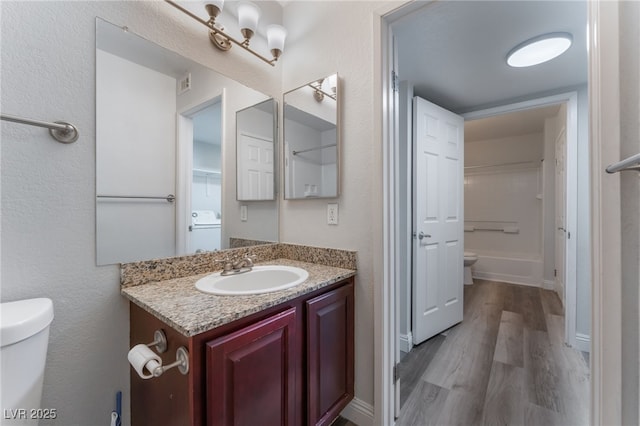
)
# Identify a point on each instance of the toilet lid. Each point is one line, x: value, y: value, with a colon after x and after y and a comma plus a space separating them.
x: 24, y: 318
x: 469, y: 254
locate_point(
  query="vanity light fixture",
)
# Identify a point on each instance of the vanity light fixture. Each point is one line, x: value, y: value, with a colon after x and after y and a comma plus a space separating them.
x: 539, y: 49
x: 320, y: 90
x: 248, y: 16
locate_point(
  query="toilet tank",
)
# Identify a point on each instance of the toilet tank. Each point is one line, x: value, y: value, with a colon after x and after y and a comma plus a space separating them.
x: 24, y: 333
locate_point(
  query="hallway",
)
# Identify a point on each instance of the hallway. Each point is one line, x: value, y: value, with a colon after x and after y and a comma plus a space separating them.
x: 505, y: 364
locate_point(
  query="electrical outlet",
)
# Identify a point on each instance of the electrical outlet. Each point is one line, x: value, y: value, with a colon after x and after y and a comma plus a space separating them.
x: 184, y: 84
x: 332, y: 214
x: 244, y: 215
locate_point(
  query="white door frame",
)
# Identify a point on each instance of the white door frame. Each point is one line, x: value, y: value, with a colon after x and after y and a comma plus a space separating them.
x: 604, y: 116
x: 571, y: 199
x: 606, y: 305
x: 184, y: 166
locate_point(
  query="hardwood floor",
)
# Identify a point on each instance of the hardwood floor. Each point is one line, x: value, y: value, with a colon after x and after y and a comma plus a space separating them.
x: 505, y: 364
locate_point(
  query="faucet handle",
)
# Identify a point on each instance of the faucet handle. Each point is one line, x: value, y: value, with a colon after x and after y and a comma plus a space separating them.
x: 249, y: 259
x: 226, y: 264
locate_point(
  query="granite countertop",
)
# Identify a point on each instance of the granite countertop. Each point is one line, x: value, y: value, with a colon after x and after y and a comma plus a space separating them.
x: 189, y: 311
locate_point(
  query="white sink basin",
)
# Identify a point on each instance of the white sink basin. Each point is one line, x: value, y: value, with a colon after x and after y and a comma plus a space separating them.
x: 261, y: 279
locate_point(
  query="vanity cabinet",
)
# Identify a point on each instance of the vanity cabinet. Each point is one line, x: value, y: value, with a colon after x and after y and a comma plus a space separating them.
x: 330, y: 354
x: 251, y: 374
x: 291, y: 364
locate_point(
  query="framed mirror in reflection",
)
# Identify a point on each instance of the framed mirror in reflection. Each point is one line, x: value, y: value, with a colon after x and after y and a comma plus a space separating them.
x: 312, y: 140
x: 166, y: 155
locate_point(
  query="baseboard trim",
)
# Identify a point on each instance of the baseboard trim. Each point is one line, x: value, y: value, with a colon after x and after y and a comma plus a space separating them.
x: 406, y: 342
x: 359, y: 412
x: 506, y: 278
x: 583, y: 342
x: 549, y: 284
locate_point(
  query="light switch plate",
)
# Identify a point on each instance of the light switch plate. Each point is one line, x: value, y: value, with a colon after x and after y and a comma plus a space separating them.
x: 244, y: 214
x: 332, y: 214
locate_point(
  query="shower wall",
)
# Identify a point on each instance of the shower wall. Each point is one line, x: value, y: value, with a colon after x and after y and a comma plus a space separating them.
x: 503, y: 207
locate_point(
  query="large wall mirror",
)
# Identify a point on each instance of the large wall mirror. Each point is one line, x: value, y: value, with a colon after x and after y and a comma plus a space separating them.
x: 166, y: 154
x: 312, y: 140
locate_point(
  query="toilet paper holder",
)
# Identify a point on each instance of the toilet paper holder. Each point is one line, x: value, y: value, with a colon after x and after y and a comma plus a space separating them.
x: 182, y: 355
x: 155, y: 367
x: 159, y: 341
x: 182, y: 362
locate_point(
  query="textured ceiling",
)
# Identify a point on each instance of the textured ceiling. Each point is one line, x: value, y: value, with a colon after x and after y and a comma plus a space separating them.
x: 454, y: 51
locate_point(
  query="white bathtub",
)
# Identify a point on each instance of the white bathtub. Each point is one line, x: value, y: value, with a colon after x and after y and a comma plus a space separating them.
x: 508, y: 267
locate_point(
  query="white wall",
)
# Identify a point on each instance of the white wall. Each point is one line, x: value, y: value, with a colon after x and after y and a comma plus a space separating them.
x: 305, y: 169
x: 501, y: 196
x: 48, y: 189
x: 499, y: 193
x: 329, y: 163
x: 630, y: 191
x: 303, y: 99
x: 327, y: 37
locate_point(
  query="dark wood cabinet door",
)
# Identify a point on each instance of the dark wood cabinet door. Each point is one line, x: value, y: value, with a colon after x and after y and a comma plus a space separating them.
x: 251, y: 374
x: 330, y: 354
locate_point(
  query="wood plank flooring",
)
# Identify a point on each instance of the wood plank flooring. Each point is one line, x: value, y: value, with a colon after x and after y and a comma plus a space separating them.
x: 505, y: 364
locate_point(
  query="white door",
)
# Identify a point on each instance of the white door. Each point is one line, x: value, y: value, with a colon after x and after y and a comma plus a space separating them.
x: 561, y: 222
x: 255, y: 177
x: 438, y: 245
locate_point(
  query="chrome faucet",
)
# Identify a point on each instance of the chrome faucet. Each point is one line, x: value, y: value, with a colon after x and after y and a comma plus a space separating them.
x: 238, y: 265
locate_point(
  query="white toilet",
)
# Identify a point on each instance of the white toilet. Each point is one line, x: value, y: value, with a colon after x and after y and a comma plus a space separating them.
x: 24, y: 332
x: 469, y: 259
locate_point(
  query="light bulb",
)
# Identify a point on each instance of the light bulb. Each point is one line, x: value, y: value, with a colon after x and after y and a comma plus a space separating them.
x: 248, y: 16
x: 214, y: 7
x: 276, y: 35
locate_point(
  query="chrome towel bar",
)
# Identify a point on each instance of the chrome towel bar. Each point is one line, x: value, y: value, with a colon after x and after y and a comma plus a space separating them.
x: 314, y: 149
x: 60, y: 130
x: 630, y: 163
x: 169, y: 198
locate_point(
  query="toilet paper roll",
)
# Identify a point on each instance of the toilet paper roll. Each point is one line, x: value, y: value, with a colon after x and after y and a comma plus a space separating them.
x: 144, y: 360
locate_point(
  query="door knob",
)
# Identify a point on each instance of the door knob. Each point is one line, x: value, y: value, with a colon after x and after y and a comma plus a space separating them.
x: 422, y: 235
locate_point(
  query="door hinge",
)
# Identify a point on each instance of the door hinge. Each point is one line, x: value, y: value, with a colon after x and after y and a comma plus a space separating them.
x: 555, y: 272
x: 568, y: 235
x: 396, y: 374
x: 395, y: 84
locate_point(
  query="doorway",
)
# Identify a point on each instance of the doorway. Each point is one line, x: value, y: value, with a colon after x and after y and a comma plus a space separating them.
x: 199, y: 222
x: 489, y: 108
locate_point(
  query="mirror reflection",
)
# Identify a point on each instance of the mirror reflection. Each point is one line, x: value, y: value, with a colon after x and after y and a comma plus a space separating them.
x: 255, y: 151
x: 166, y: 154
x: 312, y: 140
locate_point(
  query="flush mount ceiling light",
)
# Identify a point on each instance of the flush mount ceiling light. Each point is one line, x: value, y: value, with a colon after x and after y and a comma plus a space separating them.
x: 539, y: 49
x: 248, y: 16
